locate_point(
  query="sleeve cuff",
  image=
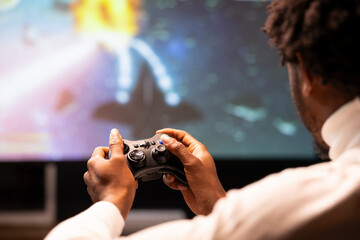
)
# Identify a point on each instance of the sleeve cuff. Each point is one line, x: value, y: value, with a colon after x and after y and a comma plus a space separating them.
x: 110, y: 215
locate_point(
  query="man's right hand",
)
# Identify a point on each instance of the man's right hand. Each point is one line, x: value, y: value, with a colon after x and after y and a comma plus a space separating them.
x: 204, y: 186
x: 111, y: 179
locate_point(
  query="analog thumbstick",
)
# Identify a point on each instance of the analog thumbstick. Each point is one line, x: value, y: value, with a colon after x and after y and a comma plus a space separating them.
x: 137, y: 158
x: 159, y: 153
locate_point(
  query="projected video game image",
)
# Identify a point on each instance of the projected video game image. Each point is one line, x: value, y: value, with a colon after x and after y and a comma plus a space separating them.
x: 71, y: 70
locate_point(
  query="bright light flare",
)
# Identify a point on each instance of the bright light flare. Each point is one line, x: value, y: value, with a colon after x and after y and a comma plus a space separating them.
x: 15, y: 85
x: 97, y: 16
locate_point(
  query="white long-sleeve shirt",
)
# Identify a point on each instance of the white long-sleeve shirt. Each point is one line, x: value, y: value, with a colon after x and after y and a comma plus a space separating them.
x: 321, y: 201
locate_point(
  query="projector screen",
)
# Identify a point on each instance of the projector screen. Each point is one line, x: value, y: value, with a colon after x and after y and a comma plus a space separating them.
x: 70, y: 71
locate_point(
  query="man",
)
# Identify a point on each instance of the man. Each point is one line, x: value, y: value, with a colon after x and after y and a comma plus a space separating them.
x: 317, y: 39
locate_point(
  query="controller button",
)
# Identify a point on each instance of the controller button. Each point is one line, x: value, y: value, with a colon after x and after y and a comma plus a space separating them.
x: 161, y: 142
x: 137, y: 158
x: 146, y: 144
x: 153, y: 143
x: 136, y: 145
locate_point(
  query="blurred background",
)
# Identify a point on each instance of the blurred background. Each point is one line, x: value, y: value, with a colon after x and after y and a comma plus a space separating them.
x: 71, y: 70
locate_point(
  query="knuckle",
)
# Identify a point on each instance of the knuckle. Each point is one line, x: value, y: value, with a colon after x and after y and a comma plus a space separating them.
x: 202, y: 147
x: 183, y: 133
x: 177, y: 146
x: 86, y: 178
x: 90, y: 164
x: 97, y: 150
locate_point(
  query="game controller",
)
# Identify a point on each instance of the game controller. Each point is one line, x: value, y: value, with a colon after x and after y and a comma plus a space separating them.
x: 149, y: 159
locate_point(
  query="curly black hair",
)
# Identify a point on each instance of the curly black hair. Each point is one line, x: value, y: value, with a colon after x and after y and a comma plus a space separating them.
x: 325, y: 32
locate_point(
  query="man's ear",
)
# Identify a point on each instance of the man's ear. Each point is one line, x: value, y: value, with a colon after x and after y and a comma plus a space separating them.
x: 309, y: 80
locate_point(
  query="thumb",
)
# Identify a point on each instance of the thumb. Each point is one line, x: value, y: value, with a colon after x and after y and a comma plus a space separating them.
x: 116, y: 145
x: 178, y: 149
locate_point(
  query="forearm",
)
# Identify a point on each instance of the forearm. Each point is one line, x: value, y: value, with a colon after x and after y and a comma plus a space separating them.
x: 176, y: 230
x: 105, y: 222
x: 200, y: 227
x: 101, y: 221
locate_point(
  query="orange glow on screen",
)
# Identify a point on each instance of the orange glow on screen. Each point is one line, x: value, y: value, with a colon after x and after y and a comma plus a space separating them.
x: 97, y: 16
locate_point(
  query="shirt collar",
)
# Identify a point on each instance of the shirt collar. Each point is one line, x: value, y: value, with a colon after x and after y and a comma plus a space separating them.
x: 341, y: 131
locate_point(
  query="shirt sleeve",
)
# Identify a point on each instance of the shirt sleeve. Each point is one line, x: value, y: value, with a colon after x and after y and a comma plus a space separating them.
x: 308, y: 202
x: 101, y: 221
x: 316, y: 202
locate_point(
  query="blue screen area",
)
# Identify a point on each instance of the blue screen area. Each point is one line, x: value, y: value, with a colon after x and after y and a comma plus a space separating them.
x: 70, y: 71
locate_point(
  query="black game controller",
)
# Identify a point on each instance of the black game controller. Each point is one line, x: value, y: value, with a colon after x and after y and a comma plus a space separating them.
x: 148, y: 159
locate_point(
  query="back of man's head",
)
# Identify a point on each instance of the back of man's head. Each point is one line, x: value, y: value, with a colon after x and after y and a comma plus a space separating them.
x: 325, y: 33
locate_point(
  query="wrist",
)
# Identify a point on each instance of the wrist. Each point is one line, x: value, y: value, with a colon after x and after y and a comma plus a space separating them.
x: 218, y: 193
x: 122, y: 199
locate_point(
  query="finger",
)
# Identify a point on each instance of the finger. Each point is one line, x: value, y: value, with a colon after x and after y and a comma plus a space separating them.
x: 180, y: 135
x: 116, y: 145
x: 86, y: 178
x: 137, y: 183
x: 170, y: 181
x: 100, y: 152
x: 169, y: 178
x: 178, y: 149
